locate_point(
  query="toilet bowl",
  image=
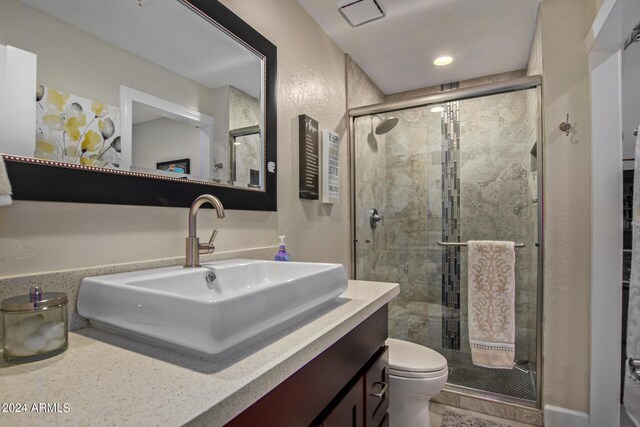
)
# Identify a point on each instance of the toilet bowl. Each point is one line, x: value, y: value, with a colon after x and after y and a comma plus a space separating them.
x: 416, y: 374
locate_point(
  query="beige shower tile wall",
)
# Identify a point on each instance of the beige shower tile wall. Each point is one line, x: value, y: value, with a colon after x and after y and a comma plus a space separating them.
x: 244, y: 109
x: 496, y: 204
x: 389, y: 170
x: 38, y: 236
x: 370, y: 175
x: 369, y: 172
x: 413, y: 206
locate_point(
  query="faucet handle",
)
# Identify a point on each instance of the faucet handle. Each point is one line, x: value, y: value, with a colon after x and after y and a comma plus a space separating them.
x: 208, y: 248
x: 213, y: 236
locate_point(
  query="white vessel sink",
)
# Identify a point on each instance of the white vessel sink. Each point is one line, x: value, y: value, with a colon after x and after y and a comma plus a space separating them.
x: 178, y: 307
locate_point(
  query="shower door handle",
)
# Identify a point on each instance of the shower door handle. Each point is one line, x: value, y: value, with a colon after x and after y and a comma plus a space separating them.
x: 375, y: 218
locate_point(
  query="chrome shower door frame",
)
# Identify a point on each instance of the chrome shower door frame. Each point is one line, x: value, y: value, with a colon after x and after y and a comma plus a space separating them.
x: 518, y: 84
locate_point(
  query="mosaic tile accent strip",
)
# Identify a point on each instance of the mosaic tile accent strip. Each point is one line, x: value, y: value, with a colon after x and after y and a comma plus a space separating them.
x: 450, y: 161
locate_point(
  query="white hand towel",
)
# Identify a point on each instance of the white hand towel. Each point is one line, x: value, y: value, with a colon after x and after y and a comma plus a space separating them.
x: 5, y: 185
x: 492, y: 286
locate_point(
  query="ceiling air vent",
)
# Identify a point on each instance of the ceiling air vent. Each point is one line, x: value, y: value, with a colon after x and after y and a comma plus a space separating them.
x: 359, y: 12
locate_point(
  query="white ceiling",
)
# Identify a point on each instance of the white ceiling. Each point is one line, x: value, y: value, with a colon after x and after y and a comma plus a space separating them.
x: 483, y: 36
x: 166, y: 33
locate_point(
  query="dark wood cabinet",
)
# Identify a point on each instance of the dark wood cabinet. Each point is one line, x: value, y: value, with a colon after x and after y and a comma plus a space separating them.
x: 365, y: 404
x: 376, y: 391
x: 350, y: 410
x: 333, y: 388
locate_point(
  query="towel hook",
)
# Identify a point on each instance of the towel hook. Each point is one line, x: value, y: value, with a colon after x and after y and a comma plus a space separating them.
x: 566, y: 126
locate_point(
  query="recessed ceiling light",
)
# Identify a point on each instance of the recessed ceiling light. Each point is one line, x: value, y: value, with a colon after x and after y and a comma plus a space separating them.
x: 437, y: 109
x: 237, y: 143
x: 443, y: 60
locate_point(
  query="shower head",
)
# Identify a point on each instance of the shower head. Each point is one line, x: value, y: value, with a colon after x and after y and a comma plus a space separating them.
x: 385, y: 125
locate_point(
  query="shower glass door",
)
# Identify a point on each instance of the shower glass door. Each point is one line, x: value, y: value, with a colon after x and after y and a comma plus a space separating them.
x: 459, y: 171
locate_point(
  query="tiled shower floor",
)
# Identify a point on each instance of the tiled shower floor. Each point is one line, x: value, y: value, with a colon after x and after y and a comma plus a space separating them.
x: 514, y: 382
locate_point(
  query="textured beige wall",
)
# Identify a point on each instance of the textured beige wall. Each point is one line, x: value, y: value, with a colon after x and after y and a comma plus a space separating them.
x: 38, y: 236
x: 311, y: 80
x: 567, y: 204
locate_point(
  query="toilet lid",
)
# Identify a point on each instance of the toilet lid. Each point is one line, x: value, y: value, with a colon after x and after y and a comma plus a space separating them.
x: 410, y: 357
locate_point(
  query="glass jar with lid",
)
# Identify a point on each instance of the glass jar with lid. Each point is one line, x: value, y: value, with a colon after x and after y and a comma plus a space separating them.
x: 34, y: 325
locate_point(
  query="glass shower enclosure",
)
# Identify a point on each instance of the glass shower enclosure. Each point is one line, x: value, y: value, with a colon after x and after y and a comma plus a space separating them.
x: 449, y: 172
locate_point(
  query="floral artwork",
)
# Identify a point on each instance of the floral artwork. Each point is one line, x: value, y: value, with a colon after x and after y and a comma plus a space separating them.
x: 76, y: 130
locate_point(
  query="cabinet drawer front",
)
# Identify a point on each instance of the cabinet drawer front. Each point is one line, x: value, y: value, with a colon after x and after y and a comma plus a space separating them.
x: 377, y: 390
x: 349, y: 412
x: 303, y: 399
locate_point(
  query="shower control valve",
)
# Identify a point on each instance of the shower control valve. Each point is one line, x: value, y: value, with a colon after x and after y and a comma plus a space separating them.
x: 375, y: 218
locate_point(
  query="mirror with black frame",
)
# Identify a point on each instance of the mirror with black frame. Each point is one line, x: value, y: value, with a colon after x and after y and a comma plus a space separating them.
x: 153, y: 90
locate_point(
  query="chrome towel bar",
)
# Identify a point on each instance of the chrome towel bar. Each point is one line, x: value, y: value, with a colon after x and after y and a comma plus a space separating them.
x: 517, y: 245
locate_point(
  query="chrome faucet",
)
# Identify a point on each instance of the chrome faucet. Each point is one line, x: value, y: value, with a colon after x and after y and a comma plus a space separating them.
x: 193, y: 245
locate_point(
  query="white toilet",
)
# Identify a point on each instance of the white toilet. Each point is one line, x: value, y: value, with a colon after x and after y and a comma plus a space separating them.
x: 416, y: 374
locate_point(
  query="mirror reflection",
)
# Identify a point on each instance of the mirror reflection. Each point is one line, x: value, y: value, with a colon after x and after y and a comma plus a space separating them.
x: 169, y: 146
x: 147, y: 86
x: 245, y: 149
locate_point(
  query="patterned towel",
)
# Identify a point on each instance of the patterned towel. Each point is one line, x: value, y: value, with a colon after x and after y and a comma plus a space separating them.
x: 492, y: 286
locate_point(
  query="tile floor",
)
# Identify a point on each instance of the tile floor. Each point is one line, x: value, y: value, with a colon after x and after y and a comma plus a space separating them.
x: 436, y: 409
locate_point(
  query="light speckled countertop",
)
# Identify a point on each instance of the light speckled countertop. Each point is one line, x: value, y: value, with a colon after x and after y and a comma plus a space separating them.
x: 110, y: 380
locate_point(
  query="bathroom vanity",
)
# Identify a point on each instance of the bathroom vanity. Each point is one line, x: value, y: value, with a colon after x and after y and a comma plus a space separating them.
x: 344, y: 385
x: 322, y: 371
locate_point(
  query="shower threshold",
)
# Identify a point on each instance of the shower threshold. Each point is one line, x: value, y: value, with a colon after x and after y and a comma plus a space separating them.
x: 518, y: 384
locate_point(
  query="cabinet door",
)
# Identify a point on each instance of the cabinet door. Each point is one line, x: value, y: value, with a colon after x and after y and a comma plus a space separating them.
x: 350, y: 410
x: 376, y: 391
